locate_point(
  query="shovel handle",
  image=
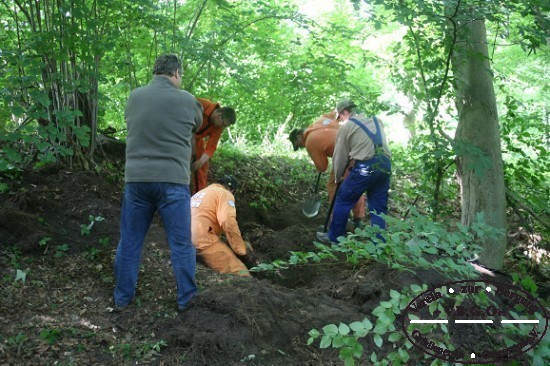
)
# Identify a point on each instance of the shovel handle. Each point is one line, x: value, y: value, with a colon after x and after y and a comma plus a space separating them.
x: 331, y: 206
x: 317, y: 183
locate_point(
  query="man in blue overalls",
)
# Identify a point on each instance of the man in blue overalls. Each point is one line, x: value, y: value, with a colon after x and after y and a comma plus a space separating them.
x: 362, y: 148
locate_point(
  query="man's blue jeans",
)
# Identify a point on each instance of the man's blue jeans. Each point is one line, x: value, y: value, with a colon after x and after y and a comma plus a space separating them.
x: 371, y: 176
x: 141, y: 201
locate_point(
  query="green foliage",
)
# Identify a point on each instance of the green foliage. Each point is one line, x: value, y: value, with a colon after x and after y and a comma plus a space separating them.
x: 61, y: 250
x: 140, y: 352
x: 86, y: 229
x: 345, y: 337
x: 416, y: 242
x: 51, y: 335
x: 270, y: 186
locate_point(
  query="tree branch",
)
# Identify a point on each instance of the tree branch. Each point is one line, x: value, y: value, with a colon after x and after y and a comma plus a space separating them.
x: 519, y: 202
x: 227, y: 39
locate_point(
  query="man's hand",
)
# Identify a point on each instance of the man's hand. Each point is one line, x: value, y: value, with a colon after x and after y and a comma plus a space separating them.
x: 249, y: 259
x: 197, y: 164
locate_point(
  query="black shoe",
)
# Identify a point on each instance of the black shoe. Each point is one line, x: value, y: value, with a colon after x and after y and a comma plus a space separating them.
x: 119, y: 309
x: 323, y: 238
x: 358, y: 224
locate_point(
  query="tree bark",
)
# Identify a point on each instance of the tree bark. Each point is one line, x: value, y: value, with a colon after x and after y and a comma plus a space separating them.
x: 482, y: 191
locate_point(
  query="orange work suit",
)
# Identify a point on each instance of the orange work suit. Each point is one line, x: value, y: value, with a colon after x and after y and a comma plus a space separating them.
x: 320, y: 139
x: 206, y: 142
x: 213, y: 213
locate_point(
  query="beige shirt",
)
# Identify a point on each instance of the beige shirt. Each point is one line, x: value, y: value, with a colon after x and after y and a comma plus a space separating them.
x: 353, y: 142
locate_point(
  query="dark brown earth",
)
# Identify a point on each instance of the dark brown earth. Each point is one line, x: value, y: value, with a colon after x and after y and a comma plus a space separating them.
x: 62, y: 312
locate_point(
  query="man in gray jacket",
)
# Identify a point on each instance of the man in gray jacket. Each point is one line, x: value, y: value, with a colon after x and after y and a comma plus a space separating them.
x: 161, y: 119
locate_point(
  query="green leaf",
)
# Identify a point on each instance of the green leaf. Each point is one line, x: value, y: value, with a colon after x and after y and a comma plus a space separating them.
x: 373, y: 357
x: 378, y: 340
x: 357, y: 350
x: 343, y: 329
x: 20, y: 276
x: 330, y: 329
x: 350, y: 341
x: 416, y: 288
x: 403, y: 354
x: 361, y: 333
x: 380, y: 328
x: 346, y: 353
x: 338, y: 341
x: 349, y: 362
x: 314, y: 333
x: 356, y: 326
x: 394, y: 337
x: 368, y: 325
x: 325, y: 342
x: 430, y: 250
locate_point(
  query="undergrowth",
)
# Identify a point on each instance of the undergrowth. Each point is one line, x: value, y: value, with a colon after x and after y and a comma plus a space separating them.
x: 406, y: 245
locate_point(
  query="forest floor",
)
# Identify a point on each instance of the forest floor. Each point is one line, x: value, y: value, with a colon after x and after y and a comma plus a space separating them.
x: 59, y: 231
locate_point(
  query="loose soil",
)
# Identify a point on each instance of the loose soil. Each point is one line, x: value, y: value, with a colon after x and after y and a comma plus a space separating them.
x: 61, y: 312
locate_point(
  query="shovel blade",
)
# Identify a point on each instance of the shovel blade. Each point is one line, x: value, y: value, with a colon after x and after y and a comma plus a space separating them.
x: 311, y: 206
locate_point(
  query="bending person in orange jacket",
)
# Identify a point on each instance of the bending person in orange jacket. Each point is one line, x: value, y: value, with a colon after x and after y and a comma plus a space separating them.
x: 212, y: 214
x: 319, y: 140
x: 215, y: 119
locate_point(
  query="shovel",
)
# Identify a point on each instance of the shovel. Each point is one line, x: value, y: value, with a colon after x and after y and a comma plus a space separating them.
x: 313, y: 202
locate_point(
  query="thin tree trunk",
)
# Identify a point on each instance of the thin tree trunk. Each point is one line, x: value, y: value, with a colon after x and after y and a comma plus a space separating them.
x: 482, y: 191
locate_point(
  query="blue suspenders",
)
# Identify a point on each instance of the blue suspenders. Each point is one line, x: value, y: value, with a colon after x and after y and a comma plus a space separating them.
x: 376, y: 138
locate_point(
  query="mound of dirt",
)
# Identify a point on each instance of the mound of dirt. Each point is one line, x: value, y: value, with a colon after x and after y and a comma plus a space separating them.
x: 55, y: 203
x: 251, y: 319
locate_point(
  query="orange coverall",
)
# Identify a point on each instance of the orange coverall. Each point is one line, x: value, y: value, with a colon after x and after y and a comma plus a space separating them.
x: 206, y: 142
x: 213, y: 213
x: 320, y: 139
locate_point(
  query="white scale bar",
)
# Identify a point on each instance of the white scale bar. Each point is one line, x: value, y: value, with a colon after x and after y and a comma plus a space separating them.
x: 520, y: 321
x: 420, y: 321
x: 473, y: 321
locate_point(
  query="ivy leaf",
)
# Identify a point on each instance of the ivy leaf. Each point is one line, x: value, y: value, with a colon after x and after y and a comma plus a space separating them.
x: 357, y: 326
x: 368, y: 325
x: 403, y: 354
x: 378, y: 340
x: 346, y: 353
x: 325, y: 342
x: 394, y: 337
x: 330, y: 330
x: 357, y: 350
x: 343, y: 329
x: 314, y: 333
x: 338, y: 341
x: 373, y: 357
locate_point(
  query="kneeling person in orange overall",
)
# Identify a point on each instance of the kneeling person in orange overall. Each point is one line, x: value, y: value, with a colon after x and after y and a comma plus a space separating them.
x: 212, y: 214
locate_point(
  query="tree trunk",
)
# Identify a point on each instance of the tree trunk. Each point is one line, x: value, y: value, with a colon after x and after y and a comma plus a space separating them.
x: 482, y: 190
